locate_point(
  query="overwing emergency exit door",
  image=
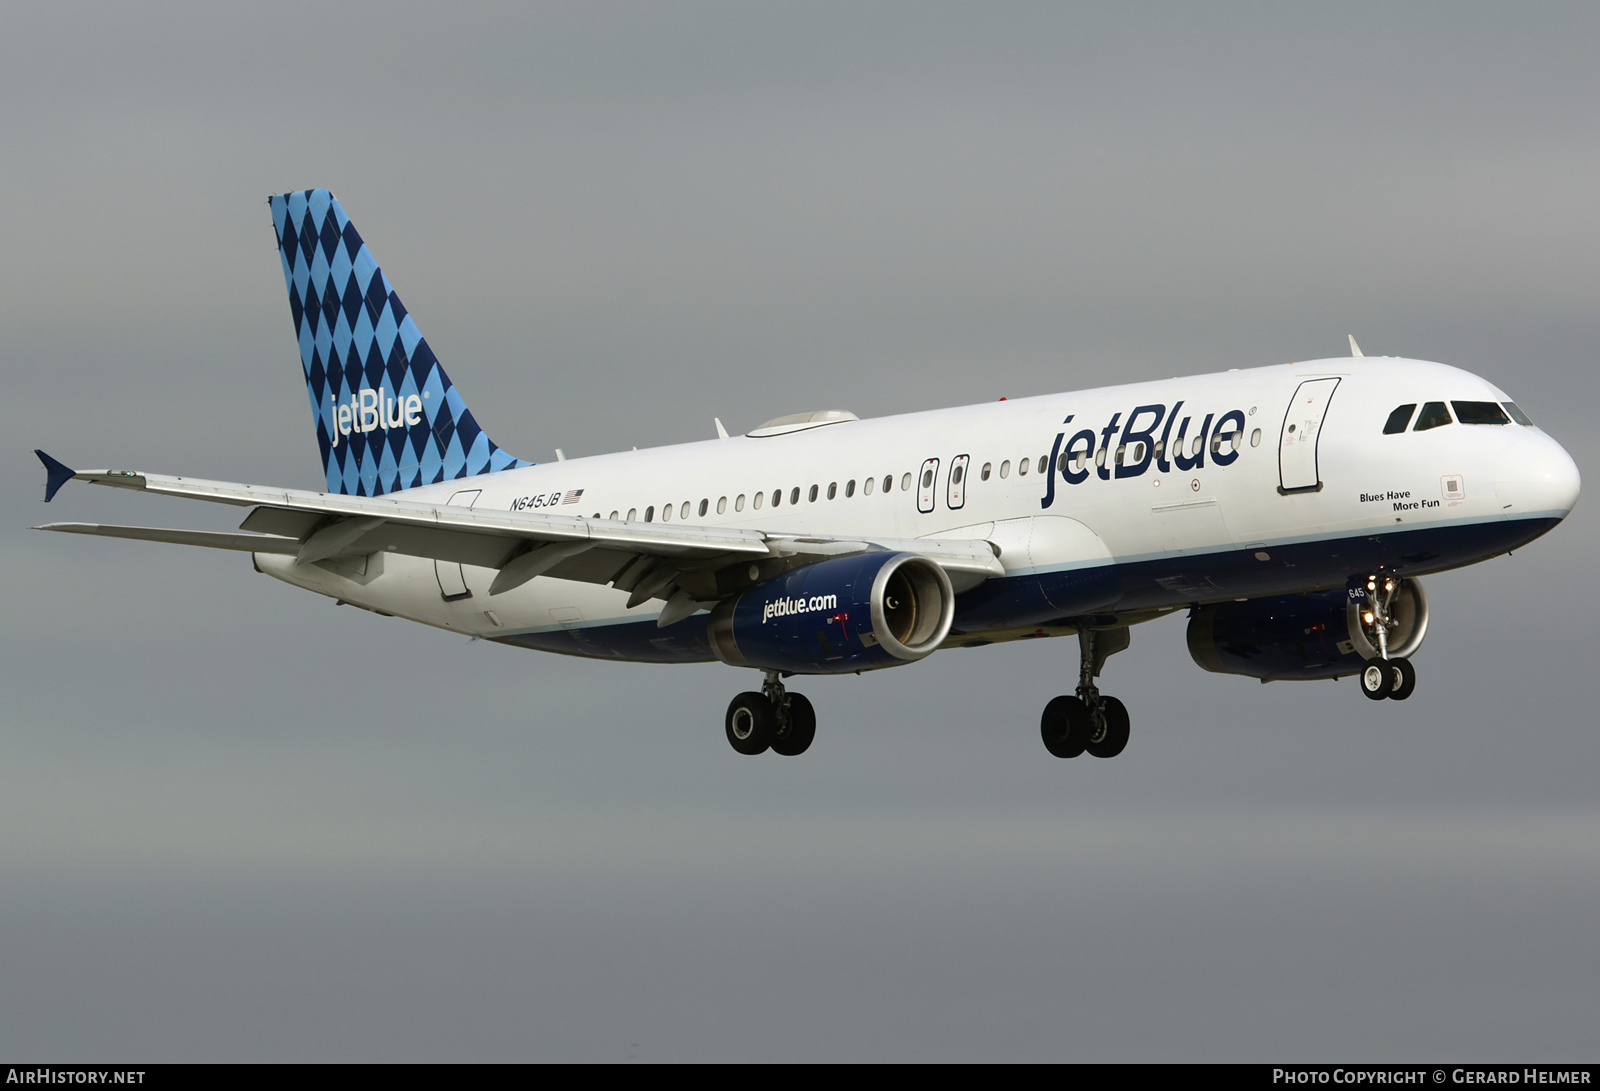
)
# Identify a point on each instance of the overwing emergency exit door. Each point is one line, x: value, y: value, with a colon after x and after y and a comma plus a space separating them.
x: 956, y: 490
x: 1297, y: 442
x: 927, y: 484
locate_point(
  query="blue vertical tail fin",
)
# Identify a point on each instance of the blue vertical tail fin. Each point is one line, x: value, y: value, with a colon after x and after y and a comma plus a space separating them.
x: 387, y: 415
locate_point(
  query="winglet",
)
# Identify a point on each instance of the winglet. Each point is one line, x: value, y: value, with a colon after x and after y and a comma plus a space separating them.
x: 1355, y: 349
x: 56, y: 475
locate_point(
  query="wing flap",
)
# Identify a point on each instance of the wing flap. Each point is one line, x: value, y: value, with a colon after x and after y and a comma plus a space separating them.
x: 646, y: 558
x: 683, y: 540
x: 290, y: 524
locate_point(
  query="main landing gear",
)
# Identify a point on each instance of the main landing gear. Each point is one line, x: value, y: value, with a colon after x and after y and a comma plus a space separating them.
x: 1383, y: 677
x: 1088, y: 722
x: 773, y: 719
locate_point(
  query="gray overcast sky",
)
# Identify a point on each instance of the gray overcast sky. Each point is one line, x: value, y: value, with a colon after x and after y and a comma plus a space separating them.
x: 239, y: 823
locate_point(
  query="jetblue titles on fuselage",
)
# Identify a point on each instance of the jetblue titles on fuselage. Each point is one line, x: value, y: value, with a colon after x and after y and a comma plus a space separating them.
x: 1075, y: 459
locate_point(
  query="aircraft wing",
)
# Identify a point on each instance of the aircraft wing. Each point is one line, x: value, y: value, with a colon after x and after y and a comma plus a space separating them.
x: 689, y: 565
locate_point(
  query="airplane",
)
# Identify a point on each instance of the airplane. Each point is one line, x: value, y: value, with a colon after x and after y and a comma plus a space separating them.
x: 1289, y: 510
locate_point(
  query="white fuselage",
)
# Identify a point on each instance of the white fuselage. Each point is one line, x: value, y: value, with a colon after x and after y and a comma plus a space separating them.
x: 1287, y: 489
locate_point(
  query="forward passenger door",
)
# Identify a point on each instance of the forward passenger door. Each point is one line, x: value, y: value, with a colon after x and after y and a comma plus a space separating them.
x: 1297, y: 442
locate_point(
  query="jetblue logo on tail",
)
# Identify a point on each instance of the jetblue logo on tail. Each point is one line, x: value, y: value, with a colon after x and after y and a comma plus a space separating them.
x: 386, y: 414
x: 368, y: 410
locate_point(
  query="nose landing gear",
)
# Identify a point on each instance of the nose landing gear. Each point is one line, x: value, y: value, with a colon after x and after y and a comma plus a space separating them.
x: 1383, y: 677
x: 1088, y: 722
x: 773, y: 719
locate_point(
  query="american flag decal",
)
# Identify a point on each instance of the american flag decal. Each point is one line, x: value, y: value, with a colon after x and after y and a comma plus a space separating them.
x: 572, y: 496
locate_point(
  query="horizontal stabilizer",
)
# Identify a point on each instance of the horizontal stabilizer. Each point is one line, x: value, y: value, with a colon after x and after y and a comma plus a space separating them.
x: 211, y: 539
x: 57, y: 474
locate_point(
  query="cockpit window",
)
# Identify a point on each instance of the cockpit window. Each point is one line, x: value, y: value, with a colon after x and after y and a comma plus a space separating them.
x: 1480, y: 413
x: 1517, y: 415
x: 1433, y: 415
x: 1399, y: 419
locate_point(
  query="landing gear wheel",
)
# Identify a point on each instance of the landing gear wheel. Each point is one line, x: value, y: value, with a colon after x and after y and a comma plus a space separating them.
x: 1377, y: 678
x: 802, y: 728
x: 1405, y: 679
x: 1065, y: 727
x: 1116, y: 736
x: 750, y: 723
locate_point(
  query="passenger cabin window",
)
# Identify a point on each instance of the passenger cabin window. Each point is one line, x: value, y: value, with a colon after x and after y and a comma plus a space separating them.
x: 1480, y: 413
x: 1399, y: 419
x: 1433, y: 415
x: 988, y: 467
x: 1517, y: 415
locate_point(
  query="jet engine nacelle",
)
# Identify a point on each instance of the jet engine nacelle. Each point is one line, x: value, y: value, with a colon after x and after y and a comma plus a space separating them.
x: 1322, y: 634
x: 845, y: 614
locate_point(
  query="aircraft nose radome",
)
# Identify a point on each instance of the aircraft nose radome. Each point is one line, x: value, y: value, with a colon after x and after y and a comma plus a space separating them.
x: 1536, y: 475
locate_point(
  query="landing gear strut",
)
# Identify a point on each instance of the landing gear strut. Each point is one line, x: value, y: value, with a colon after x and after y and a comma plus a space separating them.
x: 1088, y: 722
x: 1383, y: 677
x: 773, y: 719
